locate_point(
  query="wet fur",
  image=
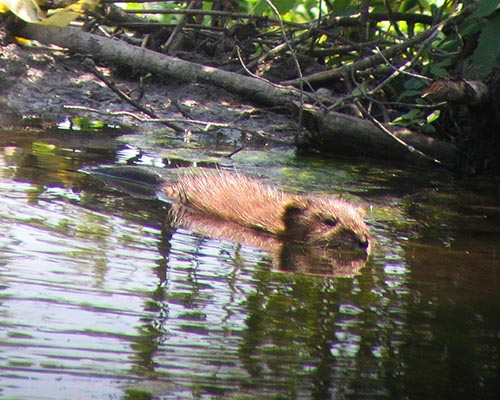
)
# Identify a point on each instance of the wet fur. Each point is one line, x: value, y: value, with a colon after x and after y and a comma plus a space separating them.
x: 313, y: 220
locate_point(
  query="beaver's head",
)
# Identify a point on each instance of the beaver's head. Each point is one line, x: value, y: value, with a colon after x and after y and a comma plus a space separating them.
x: 324, y: 222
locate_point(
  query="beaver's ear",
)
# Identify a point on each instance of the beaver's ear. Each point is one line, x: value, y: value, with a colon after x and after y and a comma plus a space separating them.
x: 293, y: 206
x: 292, y: 209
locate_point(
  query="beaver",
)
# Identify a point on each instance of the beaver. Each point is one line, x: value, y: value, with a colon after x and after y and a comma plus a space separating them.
x: 293, y: 218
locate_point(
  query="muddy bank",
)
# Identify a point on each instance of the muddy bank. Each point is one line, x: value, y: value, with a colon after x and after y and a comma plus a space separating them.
x: 41, y: 87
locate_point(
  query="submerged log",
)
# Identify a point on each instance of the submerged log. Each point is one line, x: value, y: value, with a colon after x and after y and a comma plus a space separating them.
x: 346, y: 135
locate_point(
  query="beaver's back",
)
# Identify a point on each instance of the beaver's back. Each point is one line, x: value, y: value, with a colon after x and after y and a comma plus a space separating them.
x: 233, y: 197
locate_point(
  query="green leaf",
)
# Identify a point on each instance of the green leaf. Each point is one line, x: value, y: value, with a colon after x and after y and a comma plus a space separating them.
x: 343, y: 7
x: 488, y: 50
x: 428, y: 129
x: 260, y: 7
x: 439, y: 70
x: 410, y: 118
x: 485, y: 8
x: 283, y: 6
x: 433, y: 116
x: 409, y: 93
x: 469, y: 27
x: 413, y: 84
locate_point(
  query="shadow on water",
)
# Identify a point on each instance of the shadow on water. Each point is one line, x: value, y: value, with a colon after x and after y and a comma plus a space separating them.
x: 101, y: 298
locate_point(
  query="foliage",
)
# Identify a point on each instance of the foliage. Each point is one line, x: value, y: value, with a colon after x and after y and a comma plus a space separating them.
x: 488, y: 50
x: 29, y: 11
x: 291, y: 10
x: 137, y: 394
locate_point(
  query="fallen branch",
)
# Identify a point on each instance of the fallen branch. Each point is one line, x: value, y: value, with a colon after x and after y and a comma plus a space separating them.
x: 335, y: 133
x: 351, y: 136
x: 118, y: 52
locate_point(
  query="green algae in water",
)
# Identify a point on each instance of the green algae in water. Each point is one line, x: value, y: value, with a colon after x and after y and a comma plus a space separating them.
x: 137, y: 394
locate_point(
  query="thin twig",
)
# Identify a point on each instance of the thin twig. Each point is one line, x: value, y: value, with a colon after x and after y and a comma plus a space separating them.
x: 245, y: 68
x: 90, y: 66
x: 375, y: 59
x: 295, y: 60
x: 410, y: 149
x: 174, y: 36
x: 208, y: 124
x: 397, y: 71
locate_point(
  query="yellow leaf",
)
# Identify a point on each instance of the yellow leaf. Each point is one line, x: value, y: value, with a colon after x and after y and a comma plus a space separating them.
x: 63, y: 16
x: 27, y: 10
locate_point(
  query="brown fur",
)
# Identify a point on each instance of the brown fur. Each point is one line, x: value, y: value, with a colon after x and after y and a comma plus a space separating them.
x: 313, y: 220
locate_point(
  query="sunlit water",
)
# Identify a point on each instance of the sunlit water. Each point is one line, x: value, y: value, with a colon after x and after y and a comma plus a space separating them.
x: 99, y: 299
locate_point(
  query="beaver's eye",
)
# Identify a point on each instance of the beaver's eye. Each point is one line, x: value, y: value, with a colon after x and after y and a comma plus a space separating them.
x: 330, y: 221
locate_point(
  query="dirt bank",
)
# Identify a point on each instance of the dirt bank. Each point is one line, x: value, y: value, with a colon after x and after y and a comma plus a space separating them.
x: 42, y: 86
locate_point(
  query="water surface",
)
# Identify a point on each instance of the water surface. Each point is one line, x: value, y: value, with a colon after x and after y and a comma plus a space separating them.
x: 100, y: 298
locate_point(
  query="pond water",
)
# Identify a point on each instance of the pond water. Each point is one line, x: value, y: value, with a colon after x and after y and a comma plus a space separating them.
x: 99, y: 299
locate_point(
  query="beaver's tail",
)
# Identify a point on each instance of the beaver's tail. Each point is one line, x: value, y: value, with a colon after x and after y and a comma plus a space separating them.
x: 136, y: 181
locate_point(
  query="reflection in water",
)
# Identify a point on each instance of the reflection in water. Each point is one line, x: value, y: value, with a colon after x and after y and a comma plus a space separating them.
x: 100, y: 297
x: 287, y: 255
